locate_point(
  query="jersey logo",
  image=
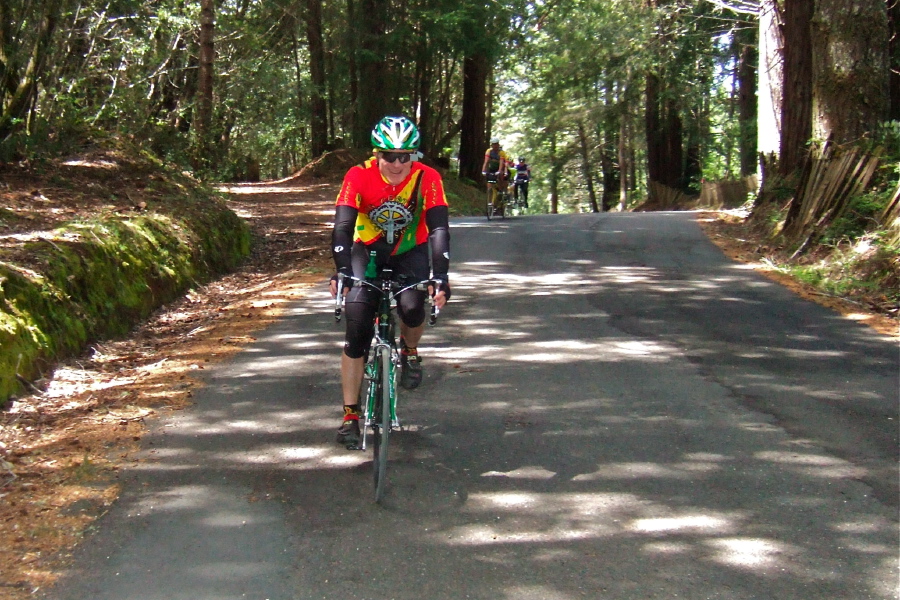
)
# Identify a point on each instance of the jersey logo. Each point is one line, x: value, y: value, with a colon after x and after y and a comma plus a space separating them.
x: 391, y: 218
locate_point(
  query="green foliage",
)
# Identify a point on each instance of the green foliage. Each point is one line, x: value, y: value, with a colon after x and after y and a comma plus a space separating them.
x: 860, y: 217
x: 867, y: 269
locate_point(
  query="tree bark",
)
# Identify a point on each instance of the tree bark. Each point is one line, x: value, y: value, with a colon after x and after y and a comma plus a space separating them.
x: 555, y: 169
x: 586, y: 167
x: 653, y: 128
x: 474, y: 104
x: 771, y: 78
x: 19, y: 86
x: 796, y: 108
x: 894, y: 60
x: 374, y: 103
x: 747, y: 99
x: 203, y: 121
x: 318, y: 106
x: 850, y: 86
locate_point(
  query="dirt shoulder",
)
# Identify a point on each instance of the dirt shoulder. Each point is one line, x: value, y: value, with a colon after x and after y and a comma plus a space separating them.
x: 743, y: 244
x: 61, y: 450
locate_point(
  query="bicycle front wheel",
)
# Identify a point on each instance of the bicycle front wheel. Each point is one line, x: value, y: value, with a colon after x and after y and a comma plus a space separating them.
x: 489, y: 210
x: 382, y: 422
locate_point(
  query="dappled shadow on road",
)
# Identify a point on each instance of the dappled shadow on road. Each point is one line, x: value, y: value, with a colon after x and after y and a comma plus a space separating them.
x: 571, y: 440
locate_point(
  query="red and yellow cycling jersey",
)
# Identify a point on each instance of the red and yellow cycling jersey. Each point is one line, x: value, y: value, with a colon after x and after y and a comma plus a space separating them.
x: 494, y: 157
x: 395, y: 213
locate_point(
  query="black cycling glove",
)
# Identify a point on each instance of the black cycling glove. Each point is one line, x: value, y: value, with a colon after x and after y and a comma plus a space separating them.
x: 346, y: 272
x: 444, y: 285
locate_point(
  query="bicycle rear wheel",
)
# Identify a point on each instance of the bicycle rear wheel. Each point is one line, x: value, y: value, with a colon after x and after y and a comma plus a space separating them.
x: 382, y: 424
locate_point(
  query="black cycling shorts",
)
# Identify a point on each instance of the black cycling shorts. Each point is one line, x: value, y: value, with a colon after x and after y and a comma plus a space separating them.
x: 362, y: 301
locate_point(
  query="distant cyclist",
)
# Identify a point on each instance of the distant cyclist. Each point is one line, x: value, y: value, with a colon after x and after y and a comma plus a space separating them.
x: 394, y: 205
x: 520, y: 182
x: 495, y: 166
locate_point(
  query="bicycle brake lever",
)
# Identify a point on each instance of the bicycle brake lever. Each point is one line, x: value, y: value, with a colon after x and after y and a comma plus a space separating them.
x: 434, y: 314
x: 339, y: 299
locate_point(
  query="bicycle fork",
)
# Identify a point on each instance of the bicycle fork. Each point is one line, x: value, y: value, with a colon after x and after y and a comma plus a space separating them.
x: 370, y: 376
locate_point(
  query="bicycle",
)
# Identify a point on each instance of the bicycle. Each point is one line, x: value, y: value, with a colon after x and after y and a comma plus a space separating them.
x: 496, y: 199
x: 520, y: 193
x: 378, y: 397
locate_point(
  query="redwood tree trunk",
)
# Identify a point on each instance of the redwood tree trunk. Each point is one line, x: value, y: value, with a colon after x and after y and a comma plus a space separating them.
x: 796, y: 107
x: 205, y: 75
x: 747, y: 100
x: 473, y: 121
x: 586, y: 167
x: 653, y: 128
x: 374, y: 103
x: 894, y: 60
x: 318, y: 106
x: 850, y: 51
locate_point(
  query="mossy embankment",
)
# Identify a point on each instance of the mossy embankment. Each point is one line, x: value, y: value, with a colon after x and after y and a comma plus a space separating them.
x: 92, y: 247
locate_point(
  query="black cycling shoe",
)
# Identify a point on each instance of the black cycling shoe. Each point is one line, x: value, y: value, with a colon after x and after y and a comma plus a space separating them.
x: 348, y: 432
x: 410, y: 368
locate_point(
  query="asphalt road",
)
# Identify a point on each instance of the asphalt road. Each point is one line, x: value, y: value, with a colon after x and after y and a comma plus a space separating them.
x: 611, y: 410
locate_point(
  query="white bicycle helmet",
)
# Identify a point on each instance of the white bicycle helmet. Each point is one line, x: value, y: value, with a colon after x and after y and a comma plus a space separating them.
x: 395, y: 133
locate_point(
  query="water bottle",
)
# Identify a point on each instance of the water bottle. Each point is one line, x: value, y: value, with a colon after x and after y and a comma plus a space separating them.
x: 371, y: 270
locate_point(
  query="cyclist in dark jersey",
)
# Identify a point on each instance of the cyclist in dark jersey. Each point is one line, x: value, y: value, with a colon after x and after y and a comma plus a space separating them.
x: 520, y: 182
x: 393, y: 205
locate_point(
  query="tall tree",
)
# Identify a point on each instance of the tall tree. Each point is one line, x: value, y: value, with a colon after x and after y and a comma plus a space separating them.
x: 771, y: 77
x: 894, y: 60
x: 318, y: 107
x: 796, y: 107
x: 474, y: 116
x: 203, y: 122
x: 374, y: 101
x: 850, y: 48
x: 748, y: 60
x: 26, y: 40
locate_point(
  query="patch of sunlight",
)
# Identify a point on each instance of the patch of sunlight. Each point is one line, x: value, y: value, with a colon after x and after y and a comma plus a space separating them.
x: 764, y: 427
x: 464, y: 352
x: 568, y: 350
x: 748, y: 552
x: 522, y: 473
x: 486, y: 263
x: 236, y: 572
x: 573, y: 505
x: 797, y: 353
x: 346, y: 459
x: 707, y: 456
x: 861, y: 527
x: 253, y: 189
x: 562, y: 517
x: 793, y: 458
x: 271, y: 456
x: 692, y: 523
x: 633, y: 471
x: 666, y: 548
x: 229, y: 519
x: 94, y: 164
x: 535, y: 592
x: 183, y: 497
x: 858, y: 317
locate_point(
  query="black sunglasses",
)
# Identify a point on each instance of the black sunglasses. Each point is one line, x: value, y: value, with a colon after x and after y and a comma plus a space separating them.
x: 403, y: 157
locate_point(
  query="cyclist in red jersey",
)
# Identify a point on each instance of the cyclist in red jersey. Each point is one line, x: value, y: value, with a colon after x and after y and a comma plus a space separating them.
x: 394, y: 205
